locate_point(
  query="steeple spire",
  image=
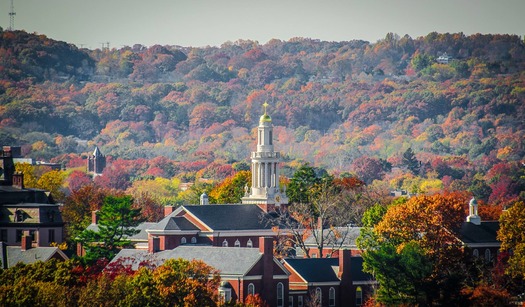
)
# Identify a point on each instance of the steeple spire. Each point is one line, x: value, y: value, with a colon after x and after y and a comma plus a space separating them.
x: 265, y: 190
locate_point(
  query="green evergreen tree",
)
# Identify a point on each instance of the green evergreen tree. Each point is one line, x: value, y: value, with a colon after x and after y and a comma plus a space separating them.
x: 117, y: 223
x: 410, y: 161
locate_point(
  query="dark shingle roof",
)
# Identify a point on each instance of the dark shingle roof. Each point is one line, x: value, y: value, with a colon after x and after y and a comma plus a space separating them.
x: 172, y: 222
x: 14, y: 254
x: 230, y: 217
x: 228, y: 260
x: 356, y: 270
x: 484, y: 233
x: 316, y: 269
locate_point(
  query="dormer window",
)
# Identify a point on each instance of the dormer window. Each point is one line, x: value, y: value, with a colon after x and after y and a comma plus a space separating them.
x: 237, y: 243
x: 183, y: 240
x: 193, y: 240
x: 224, y: 243
x: 19, y: 216
x: 249, y: 243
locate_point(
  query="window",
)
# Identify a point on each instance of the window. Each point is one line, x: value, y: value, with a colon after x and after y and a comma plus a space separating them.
x: 225, y: 295
x: 51, y: 236
x: 237, y: 243
x: 314, y: 255
x: 475, y: 252
x: 290, y: 301
x: 19, y: 216
x: 487, y: 255
x: 251, y: 289
x: 318, y: 296
x: 193, y: 240
x: 33, y: 235
x: 359, y: 296
x: 3, y: 235
x: 224, y: 243
x: 249, y: 243
x: 280, y: 295
x: 300, y: 301
x: 331, y: 297
x: 183, y: 240
x: 271, y: 141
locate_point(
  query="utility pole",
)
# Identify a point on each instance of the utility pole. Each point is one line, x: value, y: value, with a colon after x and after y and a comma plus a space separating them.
x: 12, y: 17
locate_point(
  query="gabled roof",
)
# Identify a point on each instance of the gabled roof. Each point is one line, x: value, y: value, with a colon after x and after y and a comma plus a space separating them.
x: 229, y: 217
x: 228, y: 260
x: 97, y: 152
x: 486, y: 232
x: 14, y: 254
x: 315, y: 269
x: 172, y: 222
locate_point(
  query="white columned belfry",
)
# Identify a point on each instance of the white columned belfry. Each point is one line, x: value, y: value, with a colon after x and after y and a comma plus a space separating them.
x: 265, y: 188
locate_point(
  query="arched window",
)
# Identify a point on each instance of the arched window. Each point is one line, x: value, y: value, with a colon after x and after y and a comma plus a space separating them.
x: 249, y: 243
x: 193, y: 240
x: 237, y: 243
x: 280, y: 294
x: 251, y: 289
x: 475, y: 252
x: 224, y: 243
x: 183, y: 240
x: 358, y: 296
x: 318, y: 296
x: 331, y: 297
x: 487, y: 255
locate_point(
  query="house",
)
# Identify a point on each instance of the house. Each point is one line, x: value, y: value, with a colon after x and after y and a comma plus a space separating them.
x: 480, y: 237
x: 328, y: 281
x: 27, y: 254
x: 25, y: 209
x: 444, y: 58
x: 243, y: 271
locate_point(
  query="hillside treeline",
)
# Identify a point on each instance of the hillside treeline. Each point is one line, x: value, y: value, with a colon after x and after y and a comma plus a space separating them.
x: 333, y: 104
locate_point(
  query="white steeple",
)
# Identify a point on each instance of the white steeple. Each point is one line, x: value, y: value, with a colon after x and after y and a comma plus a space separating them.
x: 265, y: 188
x: 473, y: 216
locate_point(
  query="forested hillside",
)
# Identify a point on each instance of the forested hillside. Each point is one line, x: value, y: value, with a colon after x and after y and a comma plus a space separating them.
x: 350, y: 106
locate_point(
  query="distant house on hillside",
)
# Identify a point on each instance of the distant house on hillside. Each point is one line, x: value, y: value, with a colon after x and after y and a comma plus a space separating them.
x: 27, y: 254
x: 444, y: 59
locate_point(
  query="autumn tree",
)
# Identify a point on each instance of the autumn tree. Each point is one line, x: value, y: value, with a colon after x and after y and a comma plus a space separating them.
x: 232, y: 188
x: 116, y: 224
x: 512, y: 236
x: 429, y: 227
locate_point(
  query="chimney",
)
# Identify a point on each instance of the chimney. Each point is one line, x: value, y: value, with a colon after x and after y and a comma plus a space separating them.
x: 94, y: 217
x: 18, y: 180
x: 26, y: 242
x: 153, y: 244
x: 345, y: 263
x: 168, y: 210
x: 266, y: 248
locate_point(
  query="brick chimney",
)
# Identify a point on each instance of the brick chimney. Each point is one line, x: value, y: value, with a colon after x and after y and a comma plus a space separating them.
x: 168, y: 210
x: 18, y: 180
x: 266, y: 248
x: 94, y: 217
x: 26, y: 242
x: 153, y: 244
x: 345, y: 263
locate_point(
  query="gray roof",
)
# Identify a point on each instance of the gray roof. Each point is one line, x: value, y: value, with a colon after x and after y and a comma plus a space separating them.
x: 315, y: 269
x: 326, y: 269
x: 347, y: 239
x: 484, y: 233
x: 228, y: 260
x: 14, y: 254
x: 172, y: 222
x: 230, y: 217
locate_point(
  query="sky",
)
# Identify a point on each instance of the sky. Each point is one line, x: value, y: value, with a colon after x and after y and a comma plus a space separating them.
x: 198, y: 23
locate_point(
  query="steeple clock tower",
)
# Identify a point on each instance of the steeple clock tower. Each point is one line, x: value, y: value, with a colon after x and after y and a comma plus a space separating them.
x: 265, y: 191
